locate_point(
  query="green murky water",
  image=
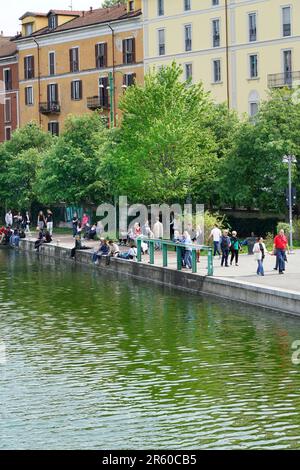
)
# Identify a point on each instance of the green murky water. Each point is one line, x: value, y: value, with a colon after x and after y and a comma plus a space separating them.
x: 90, y: 361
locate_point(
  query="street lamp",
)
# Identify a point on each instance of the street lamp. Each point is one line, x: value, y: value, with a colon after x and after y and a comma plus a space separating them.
x: 290, y: 159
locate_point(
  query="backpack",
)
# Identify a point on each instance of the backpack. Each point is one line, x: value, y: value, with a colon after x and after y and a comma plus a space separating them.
x: 224, y: 243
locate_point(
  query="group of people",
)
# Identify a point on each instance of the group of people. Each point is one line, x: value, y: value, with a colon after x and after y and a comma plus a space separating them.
x: 83, y: 228
x: 224, y: 245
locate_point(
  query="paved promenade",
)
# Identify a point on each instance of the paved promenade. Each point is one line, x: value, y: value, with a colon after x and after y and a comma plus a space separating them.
x: 245, y: 272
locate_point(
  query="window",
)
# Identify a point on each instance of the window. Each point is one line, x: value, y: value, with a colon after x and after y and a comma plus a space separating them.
x: 129, y: 79
x: 103, y: 92
x: 53, y: 127
x: 28, y: 29
x: 215, y: 3
x: 51, y: 63
x: 52, y: 22
x: 287, y: 67
x: 286, y: 21
x: 217, y: 77
x: 7, y: 110
x: 187, y: 5
x: 252, y: 27
x: 160, y: 7
x: 131, y: 5
x: 188, y: 37
x: 7, y: 133
x: 188, y: 71
x: 161, y: 42
x: 74, y: 59
x: 253, y: 108
x: 76, y: 90
x: 29, y: 67
x: 29, y: 96
x: 52, y: 94
x: 253, y: 66
x: 129, y: 51
x: 216, y: 33
x: 101, y: 55
x: 7, y: 79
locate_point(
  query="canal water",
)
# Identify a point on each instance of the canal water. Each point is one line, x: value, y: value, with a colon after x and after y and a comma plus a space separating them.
x: 90, y: 361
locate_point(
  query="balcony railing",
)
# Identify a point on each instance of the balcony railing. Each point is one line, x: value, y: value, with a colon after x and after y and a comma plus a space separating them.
x: 50, y: 107
x: 95, y: 102
x: 278, y: 80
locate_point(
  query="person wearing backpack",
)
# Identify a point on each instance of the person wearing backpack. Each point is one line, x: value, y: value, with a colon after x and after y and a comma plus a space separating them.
x: 234, y: 248
x: 225, y: 244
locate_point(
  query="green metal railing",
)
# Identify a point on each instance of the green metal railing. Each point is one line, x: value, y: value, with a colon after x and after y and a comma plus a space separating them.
x: 179, y: 247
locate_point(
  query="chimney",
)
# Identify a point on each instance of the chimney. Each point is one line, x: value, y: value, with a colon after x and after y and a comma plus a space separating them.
x: 91, y: 9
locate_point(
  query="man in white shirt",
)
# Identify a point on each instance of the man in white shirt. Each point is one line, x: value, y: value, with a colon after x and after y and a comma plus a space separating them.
x: 8, y: 219
x: 216, y: 234
x: 158, y: 231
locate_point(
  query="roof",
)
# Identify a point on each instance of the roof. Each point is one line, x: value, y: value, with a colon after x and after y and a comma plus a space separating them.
x: 89, y: 18
x: 31, y: 13
x: 7, y: 48
x: 64, y: 12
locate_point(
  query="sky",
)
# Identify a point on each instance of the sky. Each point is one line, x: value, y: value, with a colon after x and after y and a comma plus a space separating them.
x: 11, y: 10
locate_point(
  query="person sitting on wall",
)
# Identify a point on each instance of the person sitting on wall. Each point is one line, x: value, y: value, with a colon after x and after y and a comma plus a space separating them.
x: 78, y: 246
x: 103, y: 251
x: 47, y: 237
x: 15, y: 239
x: 113, y: 249
x: 131, y: 254
x: 2, y: 235
x: 40, y: 240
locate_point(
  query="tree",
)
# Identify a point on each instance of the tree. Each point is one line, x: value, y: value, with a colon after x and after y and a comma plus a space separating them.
x: 253, y: 174
x: 164, y: 148
x: 68, y: 169
x: 111, y: 3
x: 19, y: 161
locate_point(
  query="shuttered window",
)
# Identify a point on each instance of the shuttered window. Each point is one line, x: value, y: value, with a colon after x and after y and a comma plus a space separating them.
x: 76, y: 90
x: 101, y: 55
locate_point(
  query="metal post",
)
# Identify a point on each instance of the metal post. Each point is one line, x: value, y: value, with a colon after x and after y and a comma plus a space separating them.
x: 139, y: 250
x: 151, y: 251
x: 194, y: 261
x: 165, y: 254
x: 290, y: 203
x: 179, y: 258
x: 210, y: 265
x: 111, y: 98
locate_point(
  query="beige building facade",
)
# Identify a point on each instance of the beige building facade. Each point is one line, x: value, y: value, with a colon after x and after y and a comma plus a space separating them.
x: 239, y: 49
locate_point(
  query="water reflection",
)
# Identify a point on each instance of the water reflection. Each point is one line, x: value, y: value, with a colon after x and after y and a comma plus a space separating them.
x: 96, y: 361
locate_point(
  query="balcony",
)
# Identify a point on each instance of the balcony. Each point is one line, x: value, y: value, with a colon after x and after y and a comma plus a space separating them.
x: 50, y: 107
x: 287, y: 79
x: 96, y: 102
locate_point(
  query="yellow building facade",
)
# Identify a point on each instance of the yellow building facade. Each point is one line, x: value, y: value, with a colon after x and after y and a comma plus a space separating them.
x: 66, y: 59
x: 239, y: 49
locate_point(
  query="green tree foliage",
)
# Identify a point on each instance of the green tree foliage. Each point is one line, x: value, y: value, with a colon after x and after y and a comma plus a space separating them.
x: 111, y: 3
x: 164, y: 149
x: 68, y: 170
x: 19, y: 162
x: 253, y: 174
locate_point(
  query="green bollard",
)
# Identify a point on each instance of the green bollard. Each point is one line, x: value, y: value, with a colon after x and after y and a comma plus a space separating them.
x: 179, y: 258
x: 165, y: 255
x: 210, y: 264
x: 194, y: 261
x: 139, y: 250
x: 151, y: 252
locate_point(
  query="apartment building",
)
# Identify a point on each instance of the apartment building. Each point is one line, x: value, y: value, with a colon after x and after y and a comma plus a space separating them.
x: 66, y: 58
x: 9, y: 85
x: 240, y: 49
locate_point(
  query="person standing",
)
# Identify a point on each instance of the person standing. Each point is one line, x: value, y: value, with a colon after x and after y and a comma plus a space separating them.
x: 9, y: 219
x: 26, y: 222
x: 85, y: 224
x: 280, y: 246
x: 259, y: 251
x: 49, y: 222
x: 75, y: 222
x: 216, y: 234
x: 225, y: 247
x: 158, y: 231
x: 234, y: 248
x: 41, y: 221
x: 188, y: 249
